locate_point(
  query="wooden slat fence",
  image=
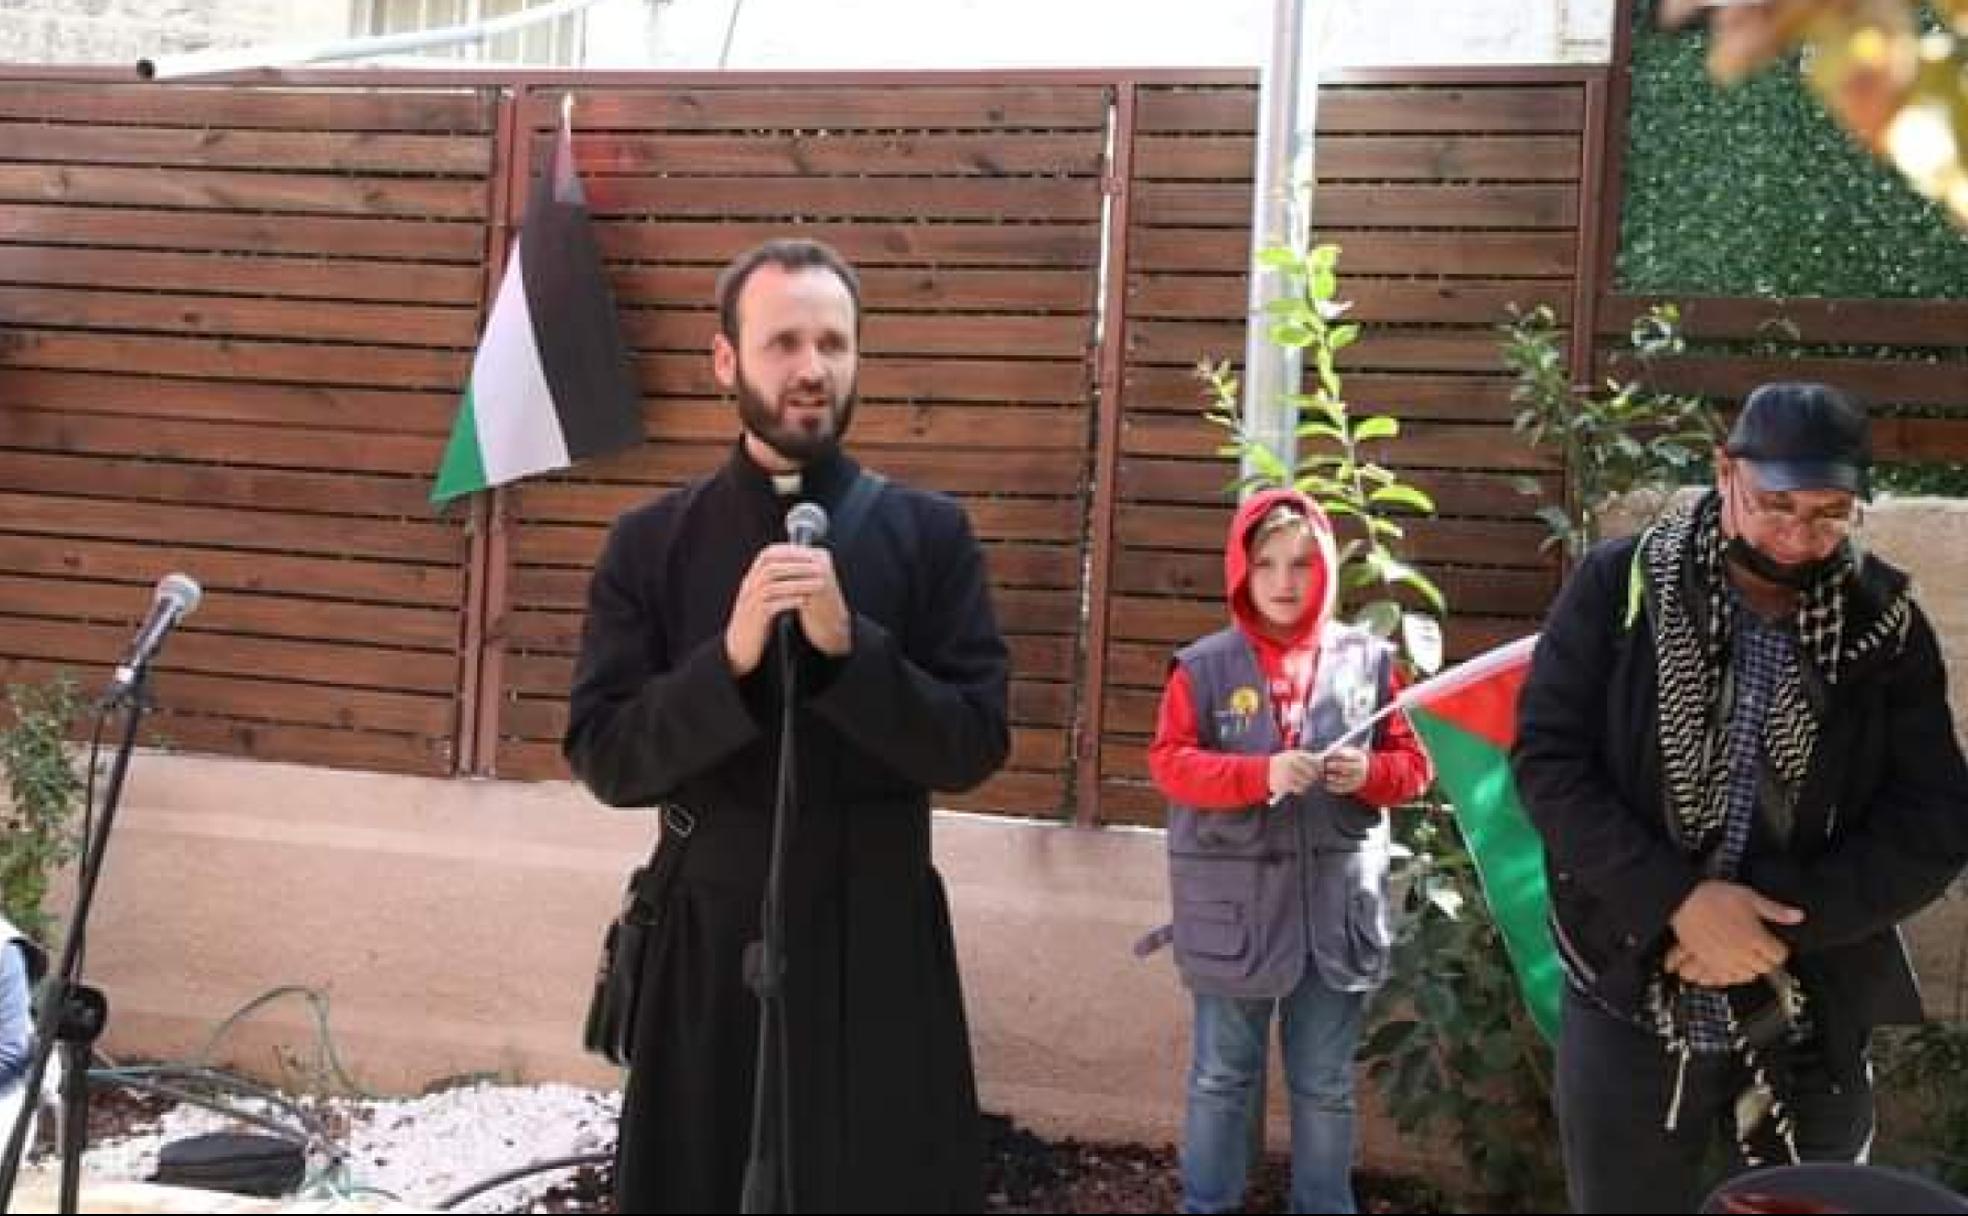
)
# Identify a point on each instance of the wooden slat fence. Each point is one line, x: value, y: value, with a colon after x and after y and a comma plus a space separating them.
x: 973, y: 213
x: 235, y: 320
x: 1906, y: 360
x: 1451, y: 200
x: 233, y: 327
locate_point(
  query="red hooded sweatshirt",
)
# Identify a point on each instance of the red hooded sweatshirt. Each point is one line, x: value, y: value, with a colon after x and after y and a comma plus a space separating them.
x: 1189, y: 773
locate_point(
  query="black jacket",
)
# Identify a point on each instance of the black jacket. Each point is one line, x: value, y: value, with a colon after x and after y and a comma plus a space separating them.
x: 1881, y: 823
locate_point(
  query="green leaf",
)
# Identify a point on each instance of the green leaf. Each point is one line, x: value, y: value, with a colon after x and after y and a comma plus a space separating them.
x: 1280, y: 257
x: 1355, y: 575
x: 1266, y: 462
x: 1383, y: 617
x: 1389, y: 1037
x: 1379, y: 426
x: 1429, y: 591
x: 1294, y: 334
x: 1556, y: 518
x: 1403, y: 496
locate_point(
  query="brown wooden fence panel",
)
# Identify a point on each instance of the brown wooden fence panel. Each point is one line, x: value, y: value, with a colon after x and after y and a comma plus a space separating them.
x: 1451, y: 200
x: 235, y: 321
x: 234, y: 324
x: 973, y: 213
x: 1906, y: 360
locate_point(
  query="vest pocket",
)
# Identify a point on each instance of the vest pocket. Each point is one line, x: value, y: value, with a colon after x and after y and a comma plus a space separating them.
x: 1211, y: 928
x: 1217, y: 934
x: 1348, y: 903
x: 1367, y: 930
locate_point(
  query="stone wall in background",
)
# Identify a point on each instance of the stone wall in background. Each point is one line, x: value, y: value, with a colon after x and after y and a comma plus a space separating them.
x: 1928, y: 538
x: 123, y: 31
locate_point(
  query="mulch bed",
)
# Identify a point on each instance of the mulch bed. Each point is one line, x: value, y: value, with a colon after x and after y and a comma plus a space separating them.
x: 1025, y: 1173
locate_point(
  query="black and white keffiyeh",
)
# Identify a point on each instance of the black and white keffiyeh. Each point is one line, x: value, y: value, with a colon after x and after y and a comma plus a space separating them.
x: 1693, y: 625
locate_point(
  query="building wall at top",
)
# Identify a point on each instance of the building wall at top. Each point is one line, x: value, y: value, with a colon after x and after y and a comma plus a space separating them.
x: 124, y: 31
x: 868, y: 34
x: 1108, y: 33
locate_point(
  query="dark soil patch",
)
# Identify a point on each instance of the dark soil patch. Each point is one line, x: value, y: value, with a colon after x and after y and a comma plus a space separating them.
x: 1025, y: 1173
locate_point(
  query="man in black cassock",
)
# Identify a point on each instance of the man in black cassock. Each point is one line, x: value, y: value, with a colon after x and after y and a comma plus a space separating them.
x: 900, y: 683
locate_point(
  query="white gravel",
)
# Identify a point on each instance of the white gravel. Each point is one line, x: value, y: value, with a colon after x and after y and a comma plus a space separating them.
x: 417, y: 1150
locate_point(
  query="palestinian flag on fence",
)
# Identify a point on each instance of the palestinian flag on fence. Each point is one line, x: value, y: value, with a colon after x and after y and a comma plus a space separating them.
x: 1467, y: 718
x: 551, y: 383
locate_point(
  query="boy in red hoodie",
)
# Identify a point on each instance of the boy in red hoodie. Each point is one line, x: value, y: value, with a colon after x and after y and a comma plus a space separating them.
x: 1278, y: 851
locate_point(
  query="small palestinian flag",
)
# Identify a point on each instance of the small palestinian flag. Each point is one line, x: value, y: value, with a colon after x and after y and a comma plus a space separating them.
x: 551, y: 383
x: 1467, y: 719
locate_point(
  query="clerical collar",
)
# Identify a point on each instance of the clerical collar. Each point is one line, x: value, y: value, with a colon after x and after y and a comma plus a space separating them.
x: 821, y: 479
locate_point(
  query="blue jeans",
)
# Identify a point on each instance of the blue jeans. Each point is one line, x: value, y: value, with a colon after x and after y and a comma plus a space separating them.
x: 1320, y: 1028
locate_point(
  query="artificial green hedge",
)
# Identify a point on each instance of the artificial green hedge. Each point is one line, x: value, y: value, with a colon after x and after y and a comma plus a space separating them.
x: 1755, y: 191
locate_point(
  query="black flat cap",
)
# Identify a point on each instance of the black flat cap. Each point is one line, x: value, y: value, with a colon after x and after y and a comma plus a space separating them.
x: 1803, y: 437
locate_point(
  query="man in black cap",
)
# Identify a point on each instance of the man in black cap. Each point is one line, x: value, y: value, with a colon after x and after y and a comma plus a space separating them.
x: 1736, y: 743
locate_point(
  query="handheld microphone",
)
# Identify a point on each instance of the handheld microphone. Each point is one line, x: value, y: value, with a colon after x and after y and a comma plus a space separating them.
x: 806, y: 524
x: 177, y: 596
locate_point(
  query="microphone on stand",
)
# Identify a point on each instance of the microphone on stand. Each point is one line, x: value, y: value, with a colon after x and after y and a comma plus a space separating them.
x: 69, y: 1015
x: 176, y: 598
x: 768, y: 1180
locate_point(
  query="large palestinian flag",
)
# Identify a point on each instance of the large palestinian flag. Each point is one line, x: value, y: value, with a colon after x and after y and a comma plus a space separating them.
x: 551, y: 383
x: 1467, y: 718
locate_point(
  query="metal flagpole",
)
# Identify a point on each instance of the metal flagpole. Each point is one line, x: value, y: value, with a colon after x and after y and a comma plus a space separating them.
x: 1281, y: 215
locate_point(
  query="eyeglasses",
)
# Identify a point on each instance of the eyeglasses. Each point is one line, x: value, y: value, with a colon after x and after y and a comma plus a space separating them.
x: 1776, y: 513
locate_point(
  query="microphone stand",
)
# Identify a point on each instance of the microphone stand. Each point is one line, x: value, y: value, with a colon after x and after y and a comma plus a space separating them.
x: 68, y: 1013
x: 768, y: 1172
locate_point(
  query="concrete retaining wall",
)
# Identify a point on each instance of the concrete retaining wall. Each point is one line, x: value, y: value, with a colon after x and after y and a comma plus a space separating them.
x: 453, y: 924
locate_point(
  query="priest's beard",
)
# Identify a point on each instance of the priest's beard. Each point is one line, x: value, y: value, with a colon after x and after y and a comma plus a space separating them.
x: 797, y: 442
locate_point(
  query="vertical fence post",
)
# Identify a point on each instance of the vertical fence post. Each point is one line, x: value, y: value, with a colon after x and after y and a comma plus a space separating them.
x: 1605, y: 131
x: 1110, y: 370
x: 485, y: 646
x: 1589, y: 273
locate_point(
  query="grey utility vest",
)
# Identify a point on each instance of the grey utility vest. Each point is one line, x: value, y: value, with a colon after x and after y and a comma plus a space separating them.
x: 1257, y: 890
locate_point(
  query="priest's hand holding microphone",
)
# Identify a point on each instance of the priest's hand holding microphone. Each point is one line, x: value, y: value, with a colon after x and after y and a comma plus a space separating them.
x: 794, y: 578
